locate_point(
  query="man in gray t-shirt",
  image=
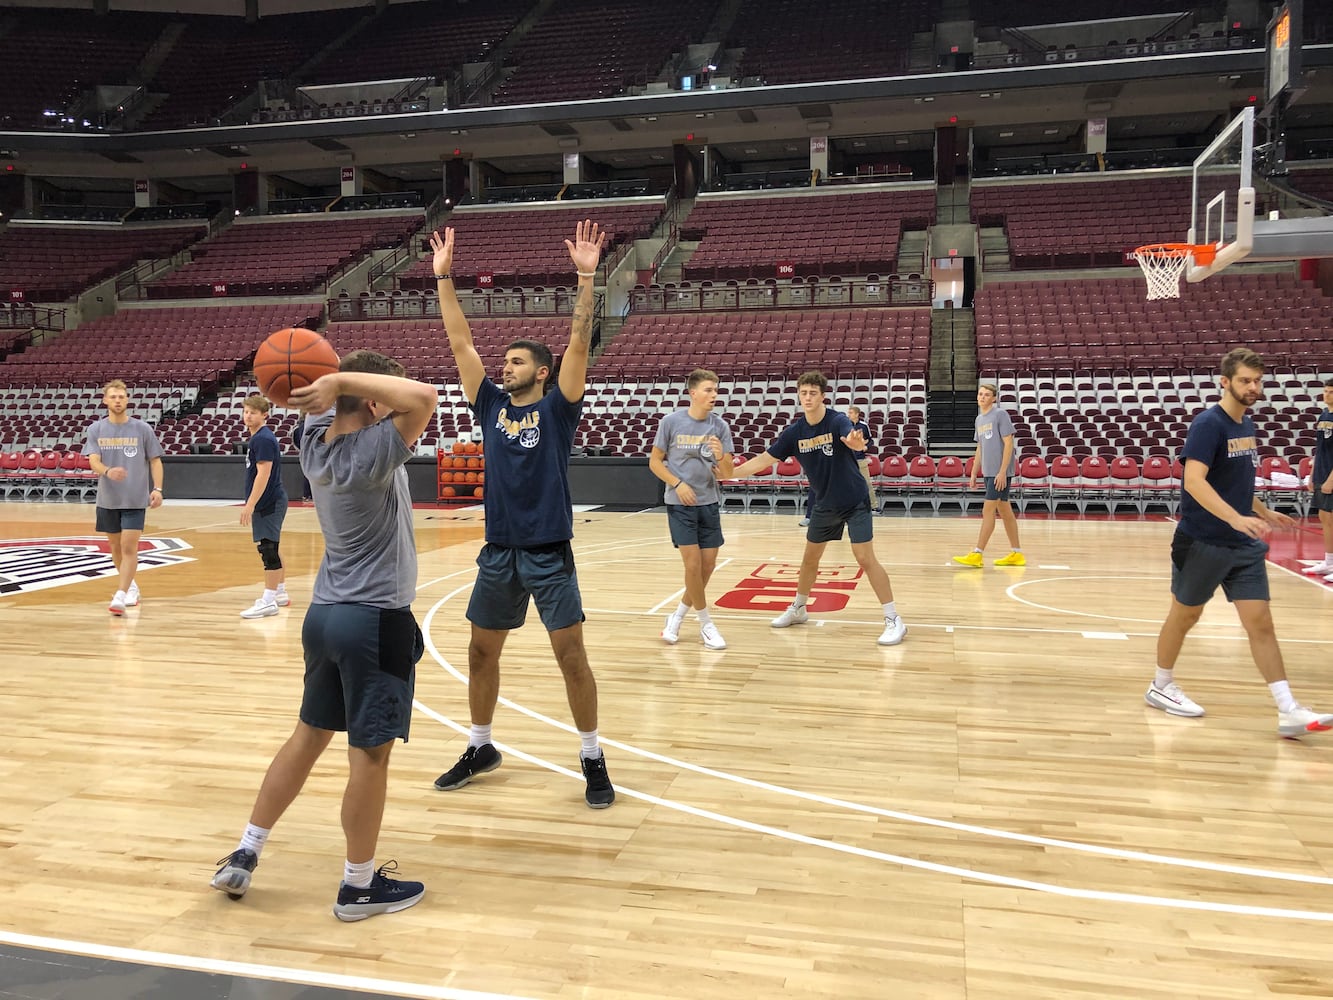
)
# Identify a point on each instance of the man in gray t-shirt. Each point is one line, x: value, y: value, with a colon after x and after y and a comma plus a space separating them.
x: 691, y: 452
x: 125, y: 454
x: 360, y: 640
x: 995, y: 460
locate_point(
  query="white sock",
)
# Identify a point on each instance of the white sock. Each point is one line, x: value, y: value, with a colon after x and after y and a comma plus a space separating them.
x: 479, y: 736
x: 591, y: 749
x: 891, y: 609
x: 270, y: 596
x: 1328, y: 558
x: 282, y: 588
x: 681, y: 611
x: 358, y: 876
x: 1281, y: 691
x: 254, y: 838
x: 799, y: 600
x: 705, y: 618
x: 1163, y: 678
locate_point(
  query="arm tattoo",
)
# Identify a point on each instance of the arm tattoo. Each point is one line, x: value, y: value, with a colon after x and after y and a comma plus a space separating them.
x: 581, y: 328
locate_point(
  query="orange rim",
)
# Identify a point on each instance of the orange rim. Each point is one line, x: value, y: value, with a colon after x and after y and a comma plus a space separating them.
x: 1202, y: 253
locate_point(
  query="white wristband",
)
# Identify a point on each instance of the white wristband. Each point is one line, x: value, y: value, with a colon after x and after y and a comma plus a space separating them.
x: 586, y: 274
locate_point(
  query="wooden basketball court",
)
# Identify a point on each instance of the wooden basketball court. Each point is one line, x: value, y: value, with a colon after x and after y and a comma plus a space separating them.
x: 988, y: 810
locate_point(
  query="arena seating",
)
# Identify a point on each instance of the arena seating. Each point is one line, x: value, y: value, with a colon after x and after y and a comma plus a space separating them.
x: 631, y: 41
x: 821, y: 234
x: 1050, y: 225
x: 172, y: 346
x: 1109, y: 323
x: 527, y: 246
x: 420, y: 40
x: 50, y: 264
x: 48, y: 58
x: 788, y: 41
x: 284, y: 256
x: 237, y: 54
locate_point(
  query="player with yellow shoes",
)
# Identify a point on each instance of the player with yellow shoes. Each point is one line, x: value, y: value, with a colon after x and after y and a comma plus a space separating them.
x: 996, y: 461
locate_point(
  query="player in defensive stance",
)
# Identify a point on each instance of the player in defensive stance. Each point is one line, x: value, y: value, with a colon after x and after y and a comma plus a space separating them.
x: 825, y: 444
x: 1219, y: 541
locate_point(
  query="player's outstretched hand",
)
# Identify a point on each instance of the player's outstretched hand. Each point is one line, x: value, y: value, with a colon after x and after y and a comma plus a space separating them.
x: 855, y: 441
x: 585, y: 250
x: 443, y: 259
x: 1255, y: 527
x: 1279, y: 520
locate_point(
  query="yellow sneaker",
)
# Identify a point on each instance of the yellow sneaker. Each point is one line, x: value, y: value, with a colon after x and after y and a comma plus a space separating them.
x: 972, y: 559
x: 1012, y: 559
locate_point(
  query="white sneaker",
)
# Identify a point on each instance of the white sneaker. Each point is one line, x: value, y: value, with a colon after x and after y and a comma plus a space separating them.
x: 1329, y: 578
x: 792, y: 616
x: 1300, y: 721
x: 804, y: 522
x: 260, y: 609
x: 671, y: 630
x: 1172, y: 701
x: 894, y: 630
x: 117, y: 605
x: 132, y: 596
x: 1319, y: 568
x: 712, y: 637
x: 283, y: 599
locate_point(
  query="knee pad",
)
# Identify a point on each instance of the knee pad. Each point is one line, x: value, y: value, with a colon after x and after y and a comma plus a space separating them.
x: 268, y: 552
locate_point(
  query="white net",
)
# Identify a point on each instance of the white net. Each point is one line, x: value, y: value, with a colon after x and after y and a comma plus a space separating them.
x: 1163, y: 265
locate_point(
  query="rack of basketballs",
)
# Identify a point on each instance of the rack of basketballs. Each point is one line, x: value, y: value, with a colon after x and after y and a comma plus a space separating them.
x: 460, y: 472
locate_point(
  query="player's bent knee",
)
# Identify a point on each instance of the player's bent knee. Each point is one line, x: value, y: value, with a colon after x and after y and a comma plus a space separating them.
x: 268, y: 553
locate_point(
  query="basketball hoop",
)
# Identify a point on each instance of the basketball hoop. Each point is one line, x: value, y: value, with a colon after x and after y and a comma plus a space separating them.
x: 1164, y: 263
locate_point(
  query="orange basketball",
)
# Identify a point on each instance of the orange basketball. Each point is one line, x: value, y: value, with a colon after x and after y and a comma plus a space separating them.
x: 478, y: 492
x: 458, y: 448
x: 448, y: 491
x: 474, y: 463
x: 469, y: 448
x: 292, y: 359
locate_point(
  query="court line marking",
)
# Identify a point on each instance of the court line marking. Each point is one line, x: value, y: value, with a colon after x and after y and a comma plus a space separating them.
x: 1011, y: 592
x: 248, y: 970
x: 1113, y: 852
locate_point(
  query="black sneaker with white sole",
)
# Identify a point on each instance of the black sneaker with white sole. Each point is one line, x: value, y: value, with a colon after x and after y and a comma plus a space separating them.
x: 474, y: 761
x: 383, y: 895
x: 599, y: 794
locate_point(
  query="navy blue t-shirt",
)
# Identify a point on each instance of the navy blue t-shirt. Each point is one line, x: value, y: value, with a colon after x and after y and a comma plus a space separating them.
x: 1229, y: 449
x: 1323, y: 448
x: 864, y: 428
x: 264, y: 448
x: 527, y: 496
x: 835, y: 478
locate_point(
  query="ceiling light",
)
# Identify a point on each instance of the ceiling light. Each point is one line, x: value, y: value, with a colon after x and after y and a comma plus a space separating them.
x: 1006, y: 135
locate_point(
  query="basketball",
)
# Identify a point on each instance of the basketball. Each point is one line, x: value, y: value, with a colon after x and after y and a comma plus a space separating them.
x: 291, y: 359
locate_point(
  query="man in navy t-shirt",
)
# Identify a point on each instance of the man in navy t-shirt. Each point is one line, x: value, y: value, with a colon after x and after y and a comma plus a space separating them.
x: 1219, y: 542
x: 826, y: 446
x: 265, y: 506
x: 527, y: 434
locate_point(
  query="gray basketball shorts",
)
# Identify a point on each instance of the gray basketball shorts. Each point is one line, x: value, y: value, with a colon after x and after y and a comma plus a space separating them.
x: 507, y: 578
x: 1199, y: 568
x: 269, y: 525
x: 699, y: 525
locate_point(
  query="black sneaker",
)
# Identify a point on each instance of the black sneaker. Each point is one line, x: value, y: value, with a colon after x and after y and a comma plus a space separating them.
x: 475, y: 761
x: 600, y: 794
x: 233, y: 877
x: 383, y: 895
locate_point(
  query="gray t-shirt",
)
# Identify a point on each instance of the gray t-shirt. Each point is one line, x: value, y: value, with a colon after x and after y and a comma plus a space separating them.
x: 991, y: 430
x: 129, y: 446
x: 359, y: 483
x: 682, y: 438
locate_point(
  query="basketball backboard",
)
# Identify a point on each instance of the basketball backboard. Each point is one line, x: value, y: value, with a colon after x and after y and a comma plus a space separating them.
x: 1222, y: 206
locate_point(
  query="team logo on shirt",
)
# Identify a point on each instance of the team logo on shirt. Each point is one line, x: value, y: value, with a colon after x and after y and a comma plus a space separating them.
x: 131, y: 451
x: 28, y: 564
x: 1242, y: 446
x: 526, y: 431
x: 821, y: 442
